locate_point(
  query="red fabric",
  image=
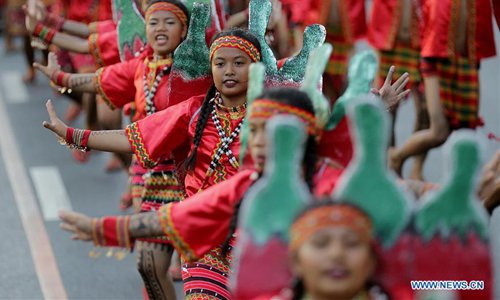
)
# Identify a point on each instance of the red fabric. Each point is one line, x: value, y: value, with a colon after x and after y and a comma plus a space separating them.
x: 496, y: 8
x: 337, y: 144
x: 105, y: 26
x: 122, y: 83
x: 307, y: 12
x: 103, y: 47
x: 85, y: 11
x: 201, y: 222
x: 166, y: 131
x: 438, y: 23
x: 326, y: 179
x: 384, y: 23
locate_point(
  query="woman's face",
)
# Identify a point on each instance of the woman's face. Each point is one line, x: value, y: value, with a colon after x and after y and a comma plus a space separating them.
x: 164, y: 32
x: 230, y: 71
x: 257, y: 142
x: 335, y: 262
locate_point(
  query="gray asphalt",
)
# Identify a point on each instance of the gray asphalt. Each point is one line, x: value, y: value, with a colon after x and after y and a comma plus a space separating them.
x: 96, y: 193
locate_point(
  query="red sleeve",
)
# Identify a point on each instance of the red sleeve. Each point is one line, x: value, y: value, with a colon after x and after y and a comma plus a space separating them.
x: 337, y: 144
x: 200, y: 223
x: 115, y: 83
x: 104, y: 48
x: 326, y: 180
x: 496, y: 10
x: 159, y: 134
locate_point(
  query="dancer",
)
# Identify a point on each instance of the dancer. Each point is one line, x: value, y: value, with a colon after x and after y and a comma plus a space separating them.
x: 457, y: 35
x: 398, y: 43
x: 144, y: 81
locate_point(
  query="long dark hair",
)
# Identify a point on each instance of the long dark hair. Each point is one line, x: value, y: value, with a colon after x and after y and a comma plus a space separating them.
x: 300, y: 100
x: 207, y: 105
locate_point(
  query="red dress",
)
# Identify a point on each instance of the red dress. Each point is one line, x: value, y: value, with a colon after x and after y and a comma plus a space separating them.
x: 173, y: 129
x: 103, y: 44
x: 123, y: 83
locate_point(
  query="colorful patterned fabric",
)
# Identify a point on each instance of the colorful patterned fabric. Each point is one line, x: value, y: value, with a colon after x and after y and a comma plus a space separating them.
x: 136, y: 173
x: 235, y: 42
x: 208, y: 277
x: 165, y: 6
x: 104, y: 48
x: 459, y: 90
x: 405, y: 59
x: 339, y: 59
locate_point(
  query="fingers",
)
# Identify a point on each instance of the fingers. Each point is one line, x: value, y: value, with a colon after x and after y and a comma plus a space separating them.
x: 401, y: 83
x: 50, y: 110
x: 390, y: 74
x: 375, y: 91
x: 403, y: 95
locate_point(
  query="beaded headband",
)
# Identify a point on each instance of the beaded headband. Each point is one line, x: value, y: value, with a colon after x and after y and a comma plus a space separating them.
x: 267, y: 108
x: 165, y: 6
x: 232, y: 41
x: 329, y: 216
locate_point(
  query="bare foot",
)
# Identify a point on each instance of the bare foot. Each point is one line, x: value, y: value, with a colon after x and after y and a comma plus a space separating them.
x: 395, y: 163
x: 126, y: 201
x: 416, y: 174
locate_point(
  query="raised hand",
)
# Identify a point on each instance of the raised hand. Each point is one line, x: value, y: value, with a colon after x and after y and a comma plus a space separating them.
x: 51, y: 67
x: 78, y: 224
x: 392, y: 93
x: 55, y: 125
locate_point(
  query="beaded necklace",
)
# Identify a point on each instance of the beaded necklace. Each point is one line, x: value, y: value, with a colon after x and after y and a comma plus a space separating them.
x: 150, y: 94
x: 226, y: 140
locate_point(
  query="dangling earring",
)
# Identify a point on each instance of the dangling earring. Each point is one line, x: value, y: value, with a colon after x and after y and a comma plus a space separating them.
x: 217, y: 97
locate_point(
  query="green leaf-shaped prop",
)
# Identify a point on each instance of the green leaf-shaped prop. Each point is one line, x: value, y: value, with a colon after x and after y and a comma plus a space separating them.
x: 191, y: 56
x: 255, y: 88
x: 131, y: 28
x: 454, y: 208
x: 367, y: 182
x: 268, y: 209
x: 312, y: 82
x: 362, y: 70
x: 259, y: 12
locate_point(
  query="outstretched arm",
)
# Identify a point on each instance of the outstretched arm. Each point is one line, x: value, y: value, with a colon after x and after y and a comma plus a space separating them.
x: 139, y: 225
x: 489, y: 184
x: 391, y: 93
x: 103, y: 140
x: 77, y: 82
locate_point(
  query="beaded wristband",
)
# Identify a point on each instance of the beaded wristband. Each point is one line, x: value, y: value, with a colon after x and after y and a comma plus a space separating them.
x: 77, y: 139
x: 60, y: 78
x: 45, y: 33
x: 54, y: 21
x: 112, y: 232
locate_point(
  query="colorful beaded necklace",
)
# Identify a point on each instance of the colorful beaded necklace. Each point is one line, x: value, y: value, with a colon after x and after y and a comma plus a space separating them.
x: 150, y: 94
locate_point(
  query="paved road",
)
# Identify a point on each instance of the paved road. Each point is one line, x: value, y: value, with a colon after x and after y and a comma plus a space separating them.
x: 33, y: 167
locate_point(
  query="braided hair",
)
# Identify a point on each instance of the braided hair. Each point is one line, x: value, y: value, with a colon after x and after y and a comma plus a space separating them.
x: 207, y: 105
x: 300, y: 100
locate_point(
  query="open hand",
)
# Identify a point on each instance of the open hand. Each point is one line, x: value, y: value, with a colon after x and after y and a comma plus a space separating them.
x: 51, y: 67
x: 390, y: 93
x: 78, y: 224
x: 55, y: 125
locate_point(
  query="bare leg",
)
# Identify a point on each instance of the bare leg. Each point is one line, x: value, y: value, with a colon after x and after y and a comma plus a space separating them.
x: 152, y: 261
x: 421, y: 122
x: 30, y: 59
x: 424, y: 140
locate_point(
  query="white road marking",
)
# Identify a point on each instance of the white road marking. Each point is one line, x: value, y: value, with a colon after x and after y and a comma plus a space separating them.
x: 50, y: 190
x: 14, y: 88
x: 31, y: 218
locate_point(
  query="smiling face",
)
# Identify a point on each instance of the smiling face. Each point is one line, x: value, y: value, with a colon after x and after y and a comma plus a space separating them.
x: 230, y: 72
x: 164, y: 32
x: 334, y: 263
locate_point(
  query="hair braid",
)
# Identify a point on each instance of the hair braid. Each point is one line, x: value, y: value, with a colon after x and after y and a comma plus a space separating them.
x: 205, y: 110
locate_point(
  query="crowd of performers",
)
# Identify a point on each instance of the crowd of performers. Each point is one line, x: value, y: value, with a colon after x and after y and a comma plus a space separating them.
x: 182, y: 149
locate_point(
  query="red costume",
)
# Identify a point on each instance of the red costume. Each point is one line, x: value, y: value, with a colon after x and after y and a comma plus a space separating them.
x: 460, y: 100
x: 103, y: 45
x: 386, y: 21
x: 154, y: 137
x: 123, y: 83
x: 344, y: 24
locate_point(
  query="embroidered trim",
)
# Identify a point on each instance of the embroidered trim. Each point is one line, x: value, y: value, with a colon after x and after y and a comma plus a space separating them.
x: 94, y: 50
x: 235, y: 42
x: 165, y: 6
x: 266, y: 108
x: 100, y: 91
x: 165, y: 214
x: 135, y: 139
